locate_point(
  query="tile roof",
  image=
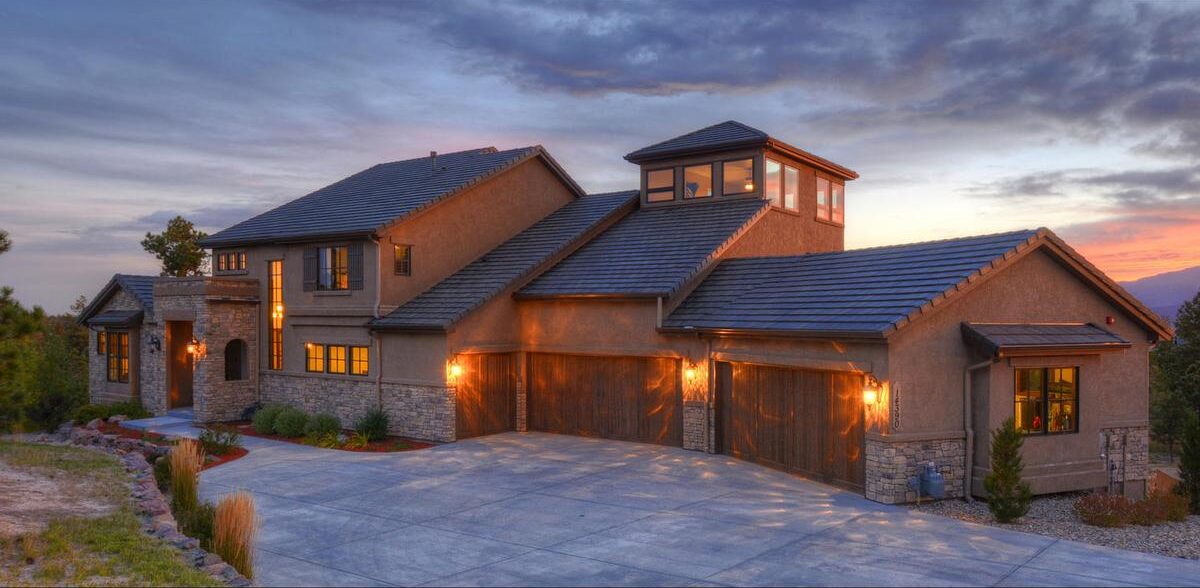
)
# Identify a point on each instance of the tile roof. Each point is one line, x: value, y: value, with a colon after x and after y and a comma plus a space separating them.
x: 1005, y: 338
x: 141, y: 287
x: 730, y: 133
x: 372, y: 198
x: 117, y: 318
x: 451, y: 299
x: 867, y: 292
x: 651, y: 252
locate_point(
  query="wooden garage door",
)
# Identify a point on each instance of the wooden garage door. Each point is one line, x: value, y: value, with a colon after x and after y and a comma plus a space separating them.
x: 486, y: 395
x: 628, y: 398
x: 804, y: 421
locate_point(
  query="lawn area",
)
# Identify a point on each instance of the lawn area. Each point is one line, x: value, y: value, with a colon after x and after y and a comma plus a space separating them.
x: 66, y: 518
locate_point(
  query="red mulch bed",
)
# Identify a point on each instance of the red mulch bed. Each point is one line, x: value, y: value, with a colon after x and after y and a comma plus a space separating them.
x: 386, y: 445
x: 211, y: 461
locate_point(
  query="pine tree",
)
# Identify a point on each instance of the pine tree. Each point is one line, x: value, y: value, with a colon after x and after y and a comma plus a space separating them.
x: 178, y: 248
x: 1189, y: 465
x: 1008, y: 496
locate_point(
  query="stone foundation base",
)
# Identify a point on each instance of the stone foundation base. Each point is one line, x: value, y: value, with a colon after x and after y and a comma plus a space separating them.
x: 419, y: 412
x: 891, y: 464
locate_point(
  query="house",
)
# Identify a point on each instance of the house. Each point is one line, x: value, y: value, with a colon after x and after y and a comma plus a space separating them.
x: 713, y: 308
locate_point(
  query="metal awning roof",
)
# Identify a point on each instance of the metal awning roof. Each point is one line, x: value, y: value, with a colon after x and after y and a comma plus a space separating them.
x: 1008, y: 339
x: 116, y: 318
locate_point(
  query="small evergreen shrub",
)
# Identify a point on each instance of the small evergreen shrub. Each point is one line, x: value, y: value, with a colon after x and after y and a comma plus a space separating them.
x: 1008, y: 495
x: 90, y: 412
x: 220, y: 440
x: 1101, y: 509
x: 162, y: 472
x: 291, y: 422
x: 132, y: 409
x: 264, y: 419
x: 322, y: 424
x: 197, y: 523
x: 373, y: 425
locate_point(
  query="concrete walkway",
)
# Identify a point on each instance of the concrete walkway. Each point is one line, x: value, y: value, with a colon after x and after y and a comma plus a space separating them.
x: 549, y: 510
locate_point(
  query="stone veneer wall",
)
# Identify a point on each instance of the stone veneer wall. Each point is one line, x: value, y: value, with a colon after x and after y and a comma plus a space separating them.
x: 221, y: 399
x: 100, y: 390
x: 1128, y: 453
x: 891, y: 464
x: 522, y: 420
x: 695, y: 425
x: 419, y: 412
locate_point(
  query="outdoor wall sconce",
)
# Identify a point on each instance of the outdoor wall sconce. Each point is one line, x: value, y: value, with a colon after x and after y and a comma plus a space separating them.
x: 155, y: 343
x: 454, y: 370
x: 689, y: 373
x: 870, y: 390
x: 197, y: 349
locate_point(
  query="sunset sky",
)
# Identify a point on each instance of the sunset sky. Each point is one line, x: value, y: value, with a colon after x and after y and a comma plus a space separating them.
x: 961, y: 118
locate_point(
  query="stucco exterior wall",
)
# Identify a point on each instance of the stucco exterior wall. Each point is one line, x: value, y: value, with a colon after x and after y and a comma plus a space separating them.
x: 927, y: 360
x: 457, y: 231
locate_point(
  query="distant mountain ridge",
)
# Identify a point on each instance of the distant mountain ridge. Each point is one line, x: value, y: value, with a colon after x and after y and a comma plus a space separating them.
x: 1165, y: 293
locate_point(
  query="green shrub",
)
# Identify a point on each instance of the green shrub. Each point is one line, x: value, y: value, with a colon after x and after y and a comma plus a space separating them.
x: 328, y: 440
x: 131, y: 409
x: 162, y: 473
x: 374, y: 425
x: 220, y: 440
x: 322, y: 424
x: 1159, y: 507
x: 197, y: 523
x: 357, y: 441
x: 86, y: 413
x: 1008, y: 495
x: 291, y: 422
x: 264, y: 419
x: 1101, y: 509
x: 1189, y: 465
x: 90, y: 412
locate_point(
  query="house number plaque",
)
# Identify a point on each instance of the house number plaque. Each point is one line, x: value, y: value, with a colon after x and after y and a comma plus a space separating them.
x: 895, y: 407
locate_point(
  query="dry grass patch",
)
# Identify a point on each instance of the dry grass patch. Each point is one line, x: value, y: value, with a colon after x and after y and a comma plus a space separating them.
x: 77, y: 528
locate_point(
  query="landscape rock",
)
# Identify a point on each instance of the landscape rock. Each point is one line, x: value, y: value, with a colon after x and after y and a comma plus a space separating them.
x: 117, y: 418
x: 94, y: 424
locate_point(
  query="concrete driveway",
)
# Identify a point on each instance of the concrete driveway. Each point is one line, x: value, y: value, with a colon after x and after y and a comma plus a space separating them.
x: 550, y: 510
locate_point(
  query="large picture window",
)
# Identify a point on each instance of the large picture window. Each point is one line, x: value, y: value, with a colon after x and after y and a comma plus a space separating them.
x: 1047, y: 400
x: 737, y: 177
x: 660, y: 185
x: 773, y: 183
x: 334, y: 268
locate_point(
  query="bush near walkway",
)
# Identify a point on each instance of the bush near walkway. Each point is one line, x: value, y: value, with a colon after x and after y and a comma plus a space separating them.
x: 1008, y: 495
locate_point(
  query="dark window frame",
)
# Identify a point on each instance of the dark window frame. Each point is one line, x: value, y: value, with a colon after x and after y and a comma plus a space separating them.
x: 329, y: 348
x: 117, y: 358
x: 402, y: 267
x: 275, y: 314
x: 311, y: 357
x: 712, y: 180
x: 353, y: 362
x: 331, y: 277
x: 753, y: 175
x: 101, y: 343
x: 650, y: 192
x: 1045, y: 395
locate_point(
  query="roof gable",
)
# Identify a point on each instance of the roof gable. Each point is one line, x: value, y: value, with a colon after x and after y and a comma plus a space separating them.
x: 726, y: 135
x: 453, y: 298
x: 650, y: 253
x: 378, y: 196
x: 141, y: 288
x: 871, y: 292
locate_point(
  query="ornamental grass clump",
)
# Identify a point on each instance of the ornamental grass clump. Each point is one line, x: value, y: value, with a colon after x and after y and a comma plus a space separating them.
x: 186, y: 460
x: 234, y: 528
x: 1008, y: 495
x: 373, y: 425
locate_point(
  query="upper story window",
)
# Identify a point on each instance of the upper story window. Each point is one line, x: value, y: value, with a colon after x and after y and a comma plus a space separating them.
x: 791, y: 188
x: 698, y: 181
x: 403, y: 260
x: 660, y: 185
x: 773, y: 183
x: 1047, y: 400
x: 334, y: 268
x: 822, y: 198
x: 737, y: 177
x: 836, y: 204
x: 231, y: 261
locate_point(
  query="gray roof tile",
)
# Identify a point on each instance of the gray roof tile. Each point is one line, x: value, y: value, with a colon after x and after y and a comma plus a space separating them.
x: 141, y: 287
x: 452, y: 298
x: 722, y: 135
x: 866, y: 291
x: 994, y: 338
x: 651, y: 252
x: 370, y: 199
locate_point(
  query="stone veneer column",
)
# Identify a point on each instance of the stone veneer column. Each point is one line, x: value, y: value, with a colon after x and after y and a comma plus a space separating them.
x: 891, y: 464
x: 1128, y: 458
x: 522, y: 420
x: 695, y: 425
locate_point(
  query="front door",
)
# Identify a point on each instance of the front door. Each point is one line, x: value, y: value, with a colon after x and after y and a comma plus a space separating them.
x: 179, y: 363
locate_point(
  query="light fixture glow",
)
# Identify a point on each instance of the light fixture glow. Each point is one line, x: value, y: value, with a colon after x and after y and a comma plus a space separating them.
x: 690, y: 373
x: 870, y: 390
x: 749, y: 186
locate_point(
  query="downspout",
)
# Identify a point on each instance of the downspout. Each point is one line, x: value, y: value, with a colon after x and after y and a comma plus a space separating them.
x: 375, y: 313
x: 969, y: 428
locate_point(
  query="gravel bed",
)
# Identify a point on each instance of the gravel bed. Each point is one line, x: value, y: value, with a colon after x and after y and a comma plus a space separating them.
x: 1054, y: 516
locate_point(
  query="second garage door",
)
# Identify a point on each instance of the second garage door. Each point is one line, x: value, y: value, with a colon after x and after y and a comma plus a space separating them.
x: 804, y: 421
x: 487, y: 401
x: 627, y: 398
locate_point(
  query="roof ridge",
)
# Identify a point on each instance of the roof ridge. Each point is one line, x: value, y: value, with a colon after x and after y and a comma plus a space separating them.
x: 490, y: 149
x: 1031, y: 232
x: 701, y: 130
